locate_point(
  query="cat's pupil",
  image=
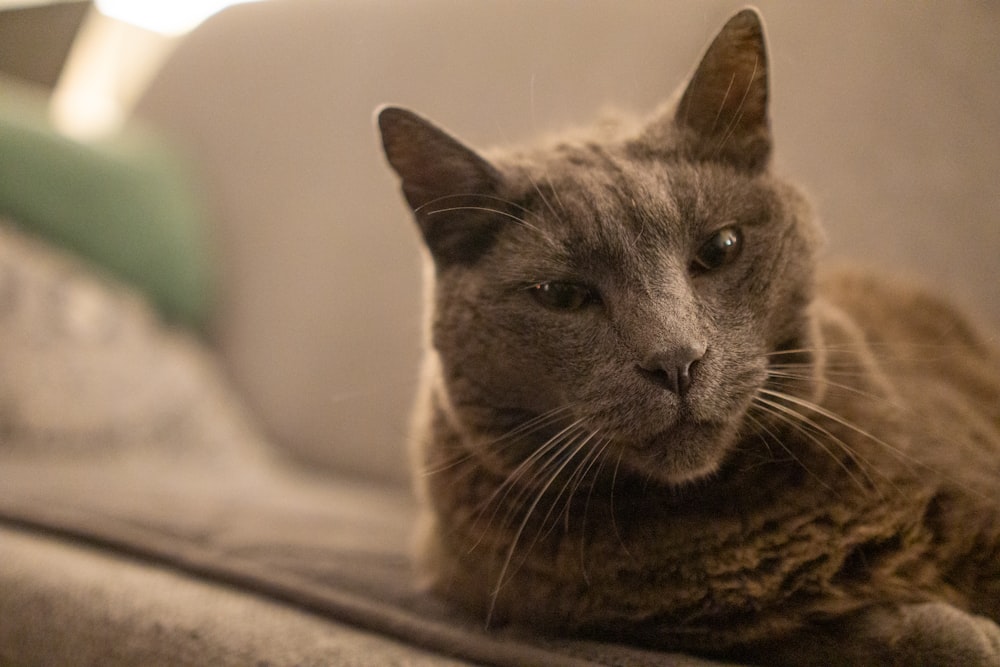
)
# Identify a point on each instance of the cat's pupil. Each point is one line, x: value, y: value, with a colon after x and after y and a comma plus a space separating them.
x: 721, y: 249
x: 563, y: 296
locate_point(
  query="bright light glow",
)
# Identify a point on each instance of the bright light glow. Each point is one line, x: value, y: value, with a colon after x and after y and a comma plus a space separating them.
x: 108, y: 67
x: 118, y: 50
x: 167, y: 17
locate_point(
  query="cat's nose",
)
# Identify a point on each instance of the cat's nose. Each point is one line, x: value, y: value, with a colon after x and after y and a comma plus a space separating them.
x: 673, y: 369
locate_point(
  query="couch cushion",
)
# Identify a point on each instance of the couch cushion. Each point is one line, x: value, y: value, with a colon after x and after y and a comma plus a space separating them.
x: 126, y: 202
x: 88, y: 371
x: 116, y: 611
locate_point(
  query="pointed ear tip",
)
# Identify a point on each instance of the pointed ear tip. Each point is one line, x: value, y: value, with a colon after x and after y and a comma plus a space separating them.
x: 393, y: 119
x: 386, y: 114
x: 748, y: 18
x: 748, y: 15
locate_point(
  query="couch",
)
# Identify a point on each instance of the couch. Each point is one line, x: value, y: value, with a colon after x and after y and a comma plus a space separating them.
x: 195, y: 479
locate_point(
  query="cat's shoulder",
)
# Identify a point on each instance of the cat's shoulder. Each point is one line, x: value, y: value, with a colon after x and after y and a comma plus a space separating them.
x: 895, y: 307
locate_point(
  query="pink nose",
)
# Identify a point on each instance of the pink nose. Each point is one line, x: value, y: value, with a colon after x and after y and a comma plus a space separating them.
x: 673, y: 369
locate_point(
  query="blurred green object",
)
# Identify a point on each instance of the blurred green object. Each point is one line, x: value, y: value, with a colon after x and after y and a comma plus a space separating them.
x: 126, y: 203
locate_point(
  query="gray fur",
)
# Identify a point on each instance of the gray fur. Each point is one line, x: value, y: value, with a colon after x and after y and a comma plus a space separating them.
x: 754, y: 459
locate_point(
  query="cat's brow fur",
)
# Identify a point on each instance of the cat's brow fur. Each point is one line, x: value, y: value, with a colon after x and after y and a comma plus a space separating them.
x: 755, y: 459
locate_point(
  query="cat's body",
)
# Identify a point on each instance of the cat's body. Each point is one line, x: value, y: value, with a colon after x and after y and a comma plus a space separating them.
x: 645, y: 418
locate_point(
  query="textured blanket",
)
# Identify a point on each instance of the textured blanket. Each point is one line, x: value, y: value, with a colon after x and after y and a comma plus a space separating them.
x: 118, y: 432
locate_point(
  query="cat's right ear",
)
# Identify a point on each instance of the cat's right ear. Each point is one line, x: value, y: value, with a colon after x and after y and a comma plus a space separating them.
x: 723, y: 113
x: 447, y: 185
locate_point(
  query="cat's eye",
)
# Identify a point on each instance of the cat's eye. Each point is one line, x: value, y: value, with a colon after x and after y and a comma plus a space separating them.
x: 563, y: 296
x: 721, y: 249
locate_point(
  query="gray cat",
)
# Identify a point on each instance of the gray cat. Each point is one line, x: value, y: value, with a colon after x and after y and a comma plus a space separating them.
x: 646, y: 416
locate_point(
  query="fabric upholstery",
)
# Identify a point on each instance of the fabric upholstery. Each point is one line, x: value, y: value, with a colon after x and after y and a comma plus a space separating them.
x: 128, y: 203
x: 70, y: 603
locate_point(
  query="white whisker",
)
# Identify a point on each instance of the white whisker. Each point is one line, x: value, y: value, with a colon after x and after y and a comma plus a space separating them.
x: 800, y: 422
x: 515, y: 478
x: 541, y: 493
x: 598, y: 455
x: 534, y: 424
x: 487, y: 209
x: 832, y: 416
x: 763, y: 427
x: 611, y: 504
x: 836, y: 385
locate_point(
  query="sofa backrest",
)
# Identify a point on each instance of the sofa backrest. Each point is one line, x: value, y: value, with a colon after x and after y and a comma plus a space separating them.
x: 888, y: 115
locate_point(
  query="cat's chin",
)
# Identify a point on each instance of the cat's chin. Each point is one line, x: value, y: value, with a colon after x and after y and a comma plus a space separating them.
x: 689, y: 452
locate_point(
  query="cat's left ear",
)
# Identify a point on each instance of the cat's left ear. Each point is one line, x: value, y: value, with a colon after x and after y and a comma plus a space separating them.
x: 445, y: 184
x: 722, y: 115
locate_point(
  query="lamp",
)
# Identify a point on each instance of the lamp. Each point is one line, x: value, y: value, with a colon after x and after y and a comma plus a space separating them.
x: 119, y: 48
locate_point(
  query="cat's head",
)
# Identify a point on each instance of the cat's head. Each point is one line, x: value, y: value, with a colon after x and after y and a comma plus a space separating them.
x: 619, y: 292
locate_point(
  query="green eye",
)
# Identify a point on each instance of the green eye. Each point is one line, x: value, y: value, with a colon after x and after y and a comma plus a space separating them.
x: 721, y: 249
x: 563, y: 296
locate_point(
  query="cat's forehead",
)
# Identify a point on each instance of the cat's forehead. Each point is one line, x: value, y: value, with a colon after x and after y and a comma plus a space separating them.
x: 592, y: 193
